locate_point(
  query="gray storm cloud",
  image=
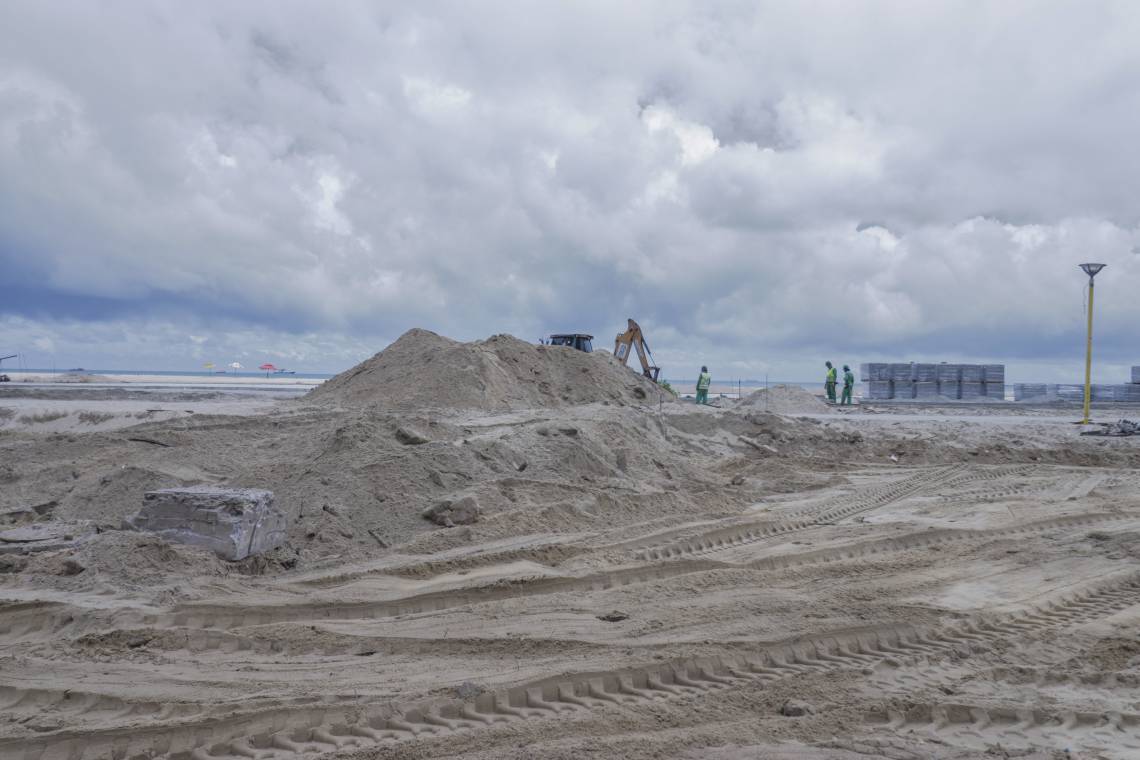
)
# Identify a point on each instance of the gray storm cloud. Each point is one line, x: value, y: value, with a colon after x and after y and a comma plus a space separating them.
x: 761, y: 185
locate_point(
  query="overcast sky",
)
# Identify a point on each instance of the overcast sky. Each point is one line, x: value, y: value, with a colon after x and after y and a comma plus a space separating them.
x: 762, y: 185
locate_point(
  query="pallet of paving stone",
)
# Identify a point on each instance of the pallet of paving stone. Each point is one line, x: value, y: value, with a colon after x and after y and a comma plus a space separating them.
x: 971, y: 390
x: 993, y: 373
x: 878, y: 390
x: 903, y: 388
x: 925, y: 373
x: 926, y: 389
x: 1069, y: 392
x: 1136, y: 374
x: 902, y: 372
x: 949, y: 373
x: 1124, y: 392
x: 1102, y: 392
x: 972, y: 373
x: 950, y: 389
x: 1025, y: 391
x: 875, y: 372
x: 994, y: 390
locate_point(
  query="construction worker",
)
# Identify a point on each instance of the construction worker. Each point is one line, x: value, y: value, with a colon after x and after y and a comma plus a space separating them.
x: 848, y: 384
x: 703, y: 383
x: 829, y: 383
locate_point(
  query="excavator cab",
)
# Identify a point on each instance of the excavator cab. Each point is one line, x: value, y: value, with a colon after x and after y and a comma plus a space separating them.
x: 580, y: 341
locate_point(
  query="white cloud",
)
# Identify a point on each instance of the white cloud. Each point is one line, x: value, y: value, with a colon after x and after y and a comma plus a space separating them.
x: 696, y: 141
x: 758, y: 185
x: 431, y: 97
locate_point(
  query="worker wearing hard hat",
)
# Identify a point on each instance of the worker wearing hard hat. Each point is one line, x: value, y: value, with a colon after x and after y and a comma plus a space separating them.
x: 829, y: 383
x: 848, y: 385
x: 703, y: 383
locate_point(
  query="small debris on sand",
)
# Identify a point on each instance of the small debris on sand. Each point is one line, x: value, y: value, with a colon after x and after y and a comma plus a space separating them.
x: 410, y: 437
x: 463, y: 511
x: 468, y: 690
x: 795, y: 708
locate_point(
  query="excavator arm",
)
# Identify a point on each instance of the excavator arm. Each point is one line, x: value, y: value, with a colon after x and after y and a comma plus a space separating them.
x: 633, y: 337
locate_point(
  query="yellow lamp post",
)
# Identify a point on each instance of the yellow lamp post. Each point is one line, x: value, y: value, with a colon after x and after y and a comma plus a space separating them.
x: 1091, y: 270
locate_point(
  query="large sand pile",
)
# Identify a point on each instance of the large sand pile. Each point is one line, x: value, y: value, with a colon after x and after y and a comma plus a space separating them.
x: 783, y: 399
x: 422, y: 370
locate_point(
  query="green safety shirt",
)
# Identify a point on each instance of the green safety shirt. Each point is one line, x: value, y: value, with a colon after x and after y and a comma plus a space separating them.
x: 704, y: 381
x: 848, y: 379
x: 832, y: 374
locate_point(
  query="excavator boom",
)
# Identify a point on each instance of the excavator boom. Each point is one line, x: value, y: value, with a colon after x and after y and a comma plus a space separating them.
x: 633, y: 337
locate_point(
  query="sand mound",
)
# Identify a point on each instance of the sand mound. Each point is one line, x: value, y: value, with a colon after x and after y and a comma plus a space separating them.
x: 422, y: 370
x: 783, y: 399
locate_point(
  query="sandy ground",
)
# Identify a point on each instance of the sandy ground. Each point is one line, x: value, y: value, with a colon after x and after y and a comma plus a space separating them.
x: 648, y: 580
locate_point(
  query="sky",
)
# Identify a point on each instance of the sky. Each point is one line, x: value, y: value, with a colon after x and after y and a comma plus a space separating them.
x: 762, y: 185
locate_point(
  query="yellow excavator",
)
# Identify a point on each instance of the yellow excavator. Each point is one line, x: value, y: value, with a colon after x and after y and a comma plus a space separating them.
x: 633, y: 337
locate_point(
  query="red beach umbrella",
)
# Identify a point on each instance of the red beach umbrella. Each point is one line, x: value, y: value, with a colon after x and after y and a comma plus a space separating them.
x: 268, y: 368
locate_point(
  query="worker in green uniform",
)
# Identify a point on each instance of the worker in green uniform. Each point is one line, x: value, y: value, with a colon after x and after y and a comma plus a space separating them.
x: 703, y: 383
x: 848, y: 384
x: 829, y: 383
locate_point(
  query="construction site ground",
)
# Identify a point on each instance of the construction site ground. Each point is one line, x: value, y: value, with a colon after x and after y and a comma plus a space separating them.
x: 649, y: 579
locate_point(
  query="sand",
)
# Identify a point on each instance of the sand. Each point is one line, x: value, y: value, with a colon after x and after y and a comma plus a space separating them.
x: 647, y: 580
x: 422, y: 370
x: 783, y: 399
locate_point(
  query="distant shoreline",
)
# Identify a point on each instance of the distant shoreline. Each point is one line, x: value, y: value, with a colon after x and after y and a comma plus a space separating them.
x: 77, y: 378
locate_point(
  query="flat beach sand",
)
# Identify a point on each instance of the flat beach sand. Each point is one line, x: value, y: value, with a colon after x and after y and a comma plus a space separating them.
x: 773, y: 578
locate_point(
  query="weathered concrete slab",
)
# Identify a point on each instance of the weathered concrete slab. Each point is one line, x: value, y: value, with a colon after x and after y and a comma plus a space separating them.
x: 234, y: 523
x: 40, y: 537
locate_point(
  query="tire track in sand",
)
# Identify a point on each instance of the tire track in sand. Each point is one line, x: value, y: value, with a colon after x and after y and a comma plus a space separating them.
x: 34, y: 621
x: 831, y: 511
x: 285, y: 734
x: 1012, y: 726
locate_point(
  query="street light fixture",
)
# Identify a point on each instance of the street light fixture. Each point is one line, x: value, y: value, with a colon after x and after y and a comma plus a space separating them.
x: 1091, y: 270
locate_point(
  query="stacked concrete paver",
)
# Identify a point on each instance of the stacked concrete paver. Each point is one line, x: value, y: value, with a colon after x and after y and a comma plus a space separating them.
x: 1100, y: 392
x: 967, y: 382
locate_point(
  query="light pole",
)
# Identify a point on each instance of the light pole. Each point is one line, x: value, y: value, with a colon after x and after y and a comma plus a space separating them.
x: 1091, y: 270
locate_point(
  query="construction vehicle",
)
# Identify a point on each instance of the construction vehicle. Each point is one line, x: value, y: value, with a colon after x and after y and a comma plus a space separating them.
x: 580, y: 341
x: 633, y: 337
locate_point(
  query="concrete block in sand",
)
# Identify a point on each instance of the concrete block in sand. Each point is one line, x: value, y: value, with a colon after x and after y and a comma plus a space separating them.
x: 234, y: 523
x: 462, y: 511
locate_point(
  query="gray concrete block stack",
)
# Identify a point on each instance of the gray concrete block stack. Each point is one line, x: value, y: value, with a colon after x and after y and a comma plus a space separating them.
x: 902, y: 380
x: 925, y: 380
x: 927, y: 390
x: 876, y: 381
x: 950, y: 380
x: 993, y: 379
x: 1025, y: 391
x: 1070, y: 392
x: 1075, y: 392
x: 932, y: 381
